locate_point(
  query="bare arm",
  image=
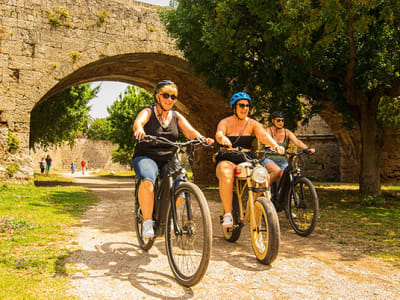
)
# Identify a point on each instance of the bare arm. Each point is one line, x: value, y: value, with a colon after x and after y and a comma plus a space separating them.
x: 264, y: 137
x: 297, y: 142
x: 142, y: 118
x: 220, y: 134
x: 188, y: 130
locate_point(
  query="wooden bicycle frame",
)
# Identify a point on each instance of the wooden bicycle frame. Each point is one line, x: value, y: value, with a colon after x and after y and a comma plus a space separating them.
x: 240, y: 189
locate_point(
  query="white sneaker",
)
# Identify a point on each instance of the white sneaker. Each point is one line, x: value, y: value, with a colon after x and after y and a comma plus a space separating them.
x: 148, y: 231
x: 228, y: 221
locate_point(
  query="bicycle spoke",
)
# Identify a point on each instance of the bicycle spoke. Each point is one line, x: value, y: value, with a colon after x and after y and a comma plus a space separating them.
x: 188, y: 250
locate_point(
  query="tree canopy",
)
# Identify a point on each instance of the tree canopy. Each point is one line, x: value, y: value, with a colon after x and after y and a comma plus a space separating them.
x: 100, y: 129
x: 122, y: 114
x: 62, y: 117
x: 287, y: 54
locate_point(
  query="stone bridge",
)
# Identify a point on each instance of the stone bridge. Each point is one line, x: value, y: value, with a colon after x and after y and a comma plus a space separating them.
x: 49, y: 45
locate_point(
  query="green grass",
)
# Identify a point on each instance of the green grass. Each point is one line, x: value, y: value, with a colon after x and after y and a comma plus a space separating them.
x: 372, y: 227
x: 34, y: 226
x: 115, y: 174
x: 50, y: 178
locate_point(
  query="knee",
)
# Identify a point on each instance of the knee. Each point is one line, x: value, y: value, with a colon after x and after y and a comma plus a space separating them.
x: 226, y: 177
x: 147, y: 185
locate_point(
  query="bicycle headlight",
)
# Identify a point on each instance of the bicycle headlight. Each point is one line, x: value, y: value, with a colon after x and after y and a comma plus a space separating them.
x: 260, y: 174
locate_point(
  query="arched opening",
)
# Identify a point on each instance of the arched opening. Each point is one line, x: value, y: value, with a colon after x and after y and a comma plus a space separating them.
x: 145, y: 70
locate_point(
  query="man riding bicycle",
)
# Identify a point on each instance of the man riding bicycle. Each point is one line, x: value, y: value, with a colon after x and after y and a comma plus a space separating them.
x: 275, y: 164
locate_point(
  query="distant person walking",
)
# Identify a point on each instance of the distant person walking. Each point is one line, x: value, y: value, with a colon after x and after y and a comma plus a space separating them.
x: 72, y: 168
x: 42, y: 165
x: 48, y: 163
x: 83, y: 166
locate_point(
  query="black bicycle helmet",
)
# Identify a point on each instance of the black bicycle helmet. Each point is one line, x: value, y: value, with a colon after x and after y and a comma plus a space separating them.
x: 277, y: 114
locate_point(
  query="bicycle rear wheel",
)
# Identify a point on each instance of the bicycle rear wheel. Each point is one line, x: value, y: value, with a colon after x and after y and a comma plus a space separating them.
x: 303, y: 207
x: 144, y: 244
x: 189, y: 250
x: 265, y: 234
x: 232, y: 234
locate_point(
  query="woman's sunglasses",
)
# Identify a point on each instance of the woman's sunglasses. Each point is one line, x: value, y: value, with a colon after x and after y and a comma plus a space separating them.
x: 242, y: 105
x: 167, y: 96
x: 280, y: 120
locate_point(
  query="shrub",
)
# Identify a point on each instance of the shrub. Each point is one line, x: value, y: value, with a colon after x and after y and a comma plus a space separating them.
x: 13, y: 169
x: 13, y: 142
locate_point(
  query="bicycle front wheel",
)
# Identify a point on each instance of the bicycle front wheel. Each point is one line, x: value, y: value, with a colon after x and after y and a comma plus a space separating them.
x: 303, y: 207
x: 232, y: 234
x: 189, y: 249
x: 265, y: 233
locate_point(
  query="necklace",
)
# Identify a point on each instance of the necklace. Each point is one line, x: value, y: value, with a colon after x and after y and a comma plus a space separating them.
x: 163, y: 120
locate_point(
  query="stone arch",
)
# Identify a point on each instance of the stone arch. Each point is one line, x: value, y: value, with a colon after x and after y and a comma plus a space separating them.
x: 51, y: 45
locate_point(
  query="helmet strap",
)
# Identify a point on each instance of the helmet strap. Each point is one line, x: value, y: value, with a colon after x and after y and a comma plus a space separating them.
x: 236, y: 115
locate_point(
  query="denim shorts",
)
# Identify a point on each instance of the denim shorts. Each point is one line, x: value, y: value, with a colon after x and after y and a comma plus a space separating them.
x: 281, y: 163
x: 147, y: 168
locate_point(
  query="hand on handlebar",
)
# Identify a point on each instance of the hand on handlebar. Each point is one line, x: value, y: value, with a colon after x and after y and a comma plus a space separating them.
x: 208, y: 141
x: 281, y: 150
x: 139, y: 134
x: 226, y: 142
x: 311, y: 150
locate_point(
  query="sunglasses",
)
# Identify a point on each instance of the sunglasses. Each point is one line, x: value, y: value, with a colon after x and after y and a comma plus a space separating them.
x: 242, y: 105
x: 167, y: 96
x: 280, y: 120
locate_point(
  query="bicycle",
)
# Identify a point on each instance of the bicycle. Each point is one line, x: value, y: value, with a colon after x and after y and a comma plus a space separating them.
x: 186, y: 223
x: 297, y: 196
x: 252, y: 177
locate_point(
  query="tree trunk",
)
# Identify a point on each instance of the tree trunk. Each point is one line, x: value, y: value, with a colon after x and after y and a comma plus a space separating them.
x: 371, y: 146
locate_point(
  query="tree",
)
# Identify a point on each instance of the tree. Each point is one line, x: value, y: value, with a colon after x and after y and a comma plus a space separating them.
x: 341, y: 51
x: 123, y: 113
x: 62, y: 117
x: 100, y: 129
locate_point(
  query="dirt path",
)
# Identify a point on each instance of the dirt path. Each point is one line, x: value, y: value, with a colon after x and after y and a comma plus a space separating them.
x: 112, y: 266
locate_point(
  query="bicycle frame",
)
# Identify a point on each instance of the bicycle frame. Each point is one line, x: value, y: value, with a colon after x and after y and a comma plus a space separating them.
x: 241, y: 184
x: 287, y: 181
x: 164, y: 195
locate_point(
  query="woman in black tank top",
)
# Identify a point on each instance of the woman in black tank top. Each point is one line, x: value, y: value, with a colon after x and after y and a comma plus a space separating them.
x: 237, y: 130
x: 148, y: 160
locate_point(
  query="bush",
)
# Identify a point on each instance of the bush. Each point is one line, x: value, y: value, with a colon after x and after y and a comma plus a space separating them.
x: 13, y: 142
x: 13, y: 169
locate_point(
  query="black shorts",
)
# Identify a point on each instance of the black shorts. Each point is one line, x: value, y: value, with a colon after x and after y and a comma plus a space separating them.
x: 234, y: 157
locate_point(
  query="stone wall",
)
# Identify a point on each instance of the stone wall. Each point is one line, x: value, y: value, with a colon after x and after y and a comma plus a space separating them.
x: 325, y: 163
x: 48, y: 46
x: 97, y: 155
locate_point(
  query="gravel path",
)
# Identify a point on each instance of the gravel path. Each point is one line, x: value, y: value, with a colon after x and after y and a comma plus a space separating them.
x: 111, y: 265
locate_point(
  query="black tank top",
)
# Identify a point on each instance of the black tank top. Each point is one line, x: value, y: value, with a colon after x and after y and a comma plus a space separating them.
x: 159, y: 153
x: 243, y: 141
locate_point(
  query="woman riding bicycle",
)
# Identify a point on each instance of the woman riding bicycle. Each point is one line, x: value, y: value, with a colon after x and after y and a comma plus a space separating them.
x: 148, y: 160
x: 234, y: 131
x: 275, y: 164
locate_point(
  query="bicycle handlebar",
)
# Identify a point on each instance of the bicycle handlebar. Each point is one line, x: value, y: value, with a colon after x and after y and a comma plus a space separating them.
x: 268, y: 150
x: 165, y: 141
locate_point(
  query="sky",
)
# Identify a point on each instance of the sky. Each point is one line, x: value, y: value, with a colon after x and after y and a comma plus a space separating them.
x: 110, y: 90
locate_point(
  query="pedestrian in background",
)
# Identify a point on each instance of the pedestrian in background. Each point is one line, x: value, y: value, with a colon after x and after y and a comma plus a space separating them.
x: 48, y: 163
x: 83, y: 166
x: 72, y: 168
x: 42, y: 164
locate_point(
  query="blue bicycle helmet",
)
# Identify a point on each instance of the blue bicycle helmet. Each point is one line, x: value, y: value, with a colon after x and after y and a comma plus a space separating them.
x: 239, y: 96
